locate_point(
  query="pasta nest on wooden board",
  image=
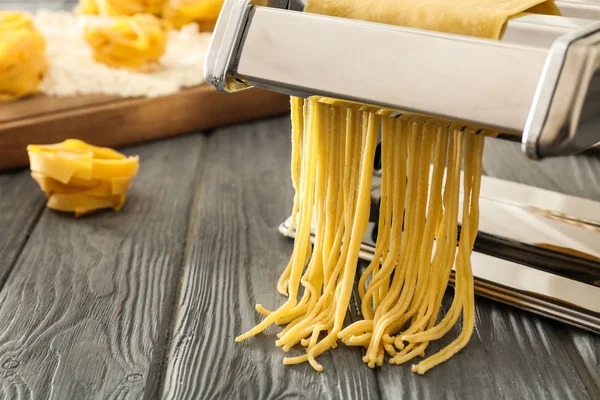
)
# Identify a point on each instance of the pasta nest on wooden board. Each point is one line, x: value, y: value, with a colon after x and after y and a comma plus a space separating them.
x: 135, y: 43
x: 23, y: 61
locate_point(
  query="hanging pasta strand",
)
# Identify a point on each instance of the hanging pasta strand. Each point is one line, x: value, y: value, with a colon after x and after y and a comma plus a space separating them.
x: 369, y: 304
x: 404, y: 311
x: 301, y: 247
x: 463, y: 265
x: 401, y: 290
x: 303, y: 325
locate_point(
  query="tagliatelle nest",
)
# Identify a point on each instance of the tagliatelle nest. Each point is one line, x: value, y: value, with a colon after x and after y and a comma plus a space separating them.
x: 135, y: 43
x: 81, y: 178
x: 22, y: 56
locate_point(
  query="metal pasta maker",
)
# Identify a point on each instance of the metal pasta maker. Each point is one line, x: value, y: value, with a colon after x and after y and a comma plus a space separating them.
x: 537, y: 250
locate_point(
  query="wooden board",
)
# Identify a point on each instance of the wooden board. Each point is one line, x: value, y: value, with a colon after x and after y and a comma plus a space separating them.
x: 114, y: 122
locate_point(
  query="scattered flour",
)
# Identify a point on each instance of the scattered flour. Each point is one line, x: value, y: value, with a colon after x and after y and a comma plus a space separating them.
x: 72, y: 70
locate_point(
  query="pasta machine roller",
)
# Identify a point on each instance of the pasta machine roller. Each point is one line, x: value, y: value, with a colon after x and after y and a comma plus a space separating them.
x: 537, y: 250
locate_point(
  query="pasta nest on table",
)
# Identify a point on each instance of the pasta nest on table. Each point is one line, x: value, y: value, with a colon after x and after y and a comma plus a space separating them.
x: 81, y: 178
x: 136, y: 43
x: 23, y: 63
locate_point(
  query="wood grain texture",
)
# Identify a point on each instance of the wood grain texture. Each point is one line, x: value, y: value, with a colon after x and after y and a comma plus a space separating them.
x: 121, y: 122
x: 232, y: 261
x: 21, y: 202
x: 85, y: 312
x: 512, y: 354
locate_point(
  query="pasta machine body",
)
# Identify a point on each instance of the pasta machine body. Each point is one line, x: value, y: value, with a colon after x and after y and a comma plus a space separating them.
x: 537, y: 250
x: 542, y: 79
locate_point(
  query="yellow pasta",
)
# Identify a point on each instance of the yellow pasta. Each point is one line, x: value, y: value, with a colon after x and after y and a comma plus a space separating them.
x: 202, y: 12
x: 81, y: 178
x: 481, y: 18
x: 23, y: 63
x: 333, y: 147
x: 135, y: 43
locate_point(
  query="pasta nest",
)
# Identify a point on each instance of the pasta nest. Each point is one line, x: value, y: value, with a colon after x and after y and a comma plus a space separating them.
x: 135, y: 43
x: 23, y: 63
x: 81, y: 178
x: 113, y: 8
x: 184, y: 12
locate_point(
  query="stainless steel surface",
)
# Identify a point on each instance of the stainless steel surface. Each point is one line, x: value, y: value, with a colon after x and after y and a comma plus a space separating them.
x: 565, y: 114
x: 541, y: 30
x: 511, y: 86
x: 537, y: 250
x: 224, y: 44
x: 580, y: 9
x: 483, y: 82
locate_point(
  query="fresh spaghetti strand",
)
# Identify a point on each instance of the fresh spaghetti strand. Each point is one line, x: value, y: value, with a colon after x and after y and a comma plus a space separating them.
x: 394, y: 168
x: 384, y: 217
x: 358, y: 227
x: 296, y: 107
x: 472, y: 176
x: 312, y: 279
x: 451, y: 199
x: 401, y: 312
x: 397, y: 174
x: 323, y: 310
x: 297, y: 116
x: 396, y: 315
x: 407, y: 247
x: 304, y: 223
x: 358, y: 230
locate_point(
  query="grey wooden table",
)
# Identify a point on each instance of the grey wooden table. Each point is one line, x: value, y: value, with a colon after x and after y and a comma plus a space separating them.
x: 146, y: 303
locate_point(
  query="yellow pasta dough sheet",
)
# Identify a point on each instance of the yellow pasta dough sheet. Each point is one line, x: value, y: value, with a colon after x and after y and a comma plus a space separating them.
x: 480, y: 18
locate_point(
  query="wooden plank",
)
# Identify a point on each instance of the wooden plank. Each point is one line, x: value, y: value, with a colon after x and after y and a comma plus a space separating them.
x: 233, y: 260
x: 512, y: 354
x: 21, y: 202
x: 577, y: 176
x: 131, y: 121
x: 84, y: 313
x: 584, y: 350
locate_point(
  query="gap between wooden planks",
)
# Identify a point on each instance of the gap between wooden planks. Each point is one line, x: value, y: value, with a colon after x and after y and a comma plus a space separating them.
x: 114, y: 121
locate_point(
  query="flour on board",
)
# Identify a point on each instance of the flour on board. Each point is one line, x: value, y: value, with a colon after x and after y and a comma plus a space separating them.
x: 73, y: 71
